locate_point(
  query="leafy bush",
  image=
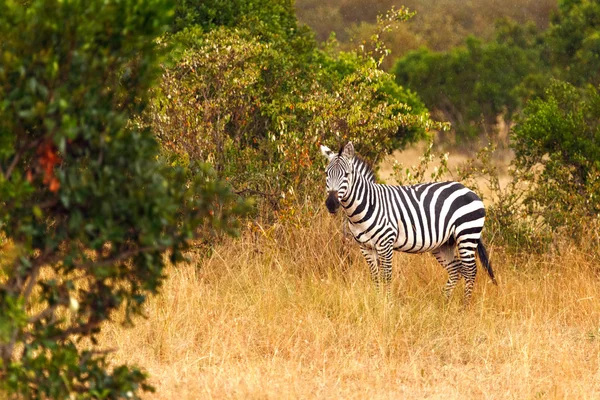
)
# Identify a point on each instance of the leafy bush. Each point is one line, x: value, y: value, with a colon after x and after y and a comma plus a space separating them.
x: 557, y: 151
x: 88, y: 207
x: 258, y: 109
x: 573, y: 42
x: 508, y: 222
x: 260, y: 16
x: 470, y: 86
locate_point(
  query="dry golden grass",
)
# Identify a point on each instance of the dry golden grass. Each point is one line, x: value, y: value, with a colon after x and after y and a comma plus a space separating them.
x: 291, y: 313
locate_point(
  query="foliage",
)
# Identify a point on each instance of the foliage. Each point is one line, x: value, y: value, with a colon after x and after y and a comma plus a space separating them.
x: 258, y: 108
x: 89, y: 209
x: 470, y: 86
x: 573, y: 42
x: 556, y: 144
x: 439, y: 25
x: 508, y: 222
x: 260, y: 16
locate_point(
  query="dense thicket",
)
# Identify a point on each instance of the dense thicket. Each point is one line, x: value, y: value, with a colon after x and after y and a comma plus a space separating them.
x: 88, y: 207
x: 439, y: 25
x: 472, y: 85
x: 256, y: 98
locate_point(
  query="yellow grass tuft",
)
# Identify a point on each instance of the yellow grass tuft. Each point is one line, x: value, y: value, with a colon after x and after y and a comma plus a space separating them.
x: 291, y: 313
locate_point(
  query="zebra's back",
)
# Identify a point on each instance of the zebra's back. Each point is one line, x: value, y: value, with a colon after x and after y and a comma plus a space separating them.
x: 429, y: 215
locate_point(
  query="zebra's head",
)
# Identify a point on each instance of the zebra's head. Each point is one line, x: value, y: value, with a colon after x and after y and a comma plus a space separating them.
x: 340, y: 173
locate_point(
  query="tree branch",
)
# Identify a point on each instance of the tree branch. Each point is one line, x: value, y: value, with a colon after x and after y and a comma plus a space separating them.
x: 45, y: 313
x: 85, y: 328
x: 120, y: 257
x: 18, y: 156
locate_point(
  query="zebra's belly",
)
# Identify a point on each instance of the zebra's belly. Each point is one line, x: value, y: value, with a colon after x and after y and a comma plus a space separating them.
x: 415, y: 241
x: 384, y: 234
x: 374, y: 236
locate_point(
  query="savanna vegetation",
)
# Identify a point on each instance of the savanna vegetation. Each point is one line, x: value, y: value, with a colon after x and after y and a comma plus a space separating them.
x: 438, y: 25
x: 161, y: 190
x: 474, y: 84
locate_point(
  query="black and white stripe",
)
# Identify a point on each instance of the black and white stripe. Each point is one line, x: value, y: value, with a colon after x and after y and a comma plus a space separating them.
x: 443, y: 218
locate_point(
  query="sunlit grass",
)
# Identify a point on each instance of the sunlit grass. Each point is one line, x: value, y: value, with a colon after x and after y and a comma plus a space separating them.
x: 291, y: 313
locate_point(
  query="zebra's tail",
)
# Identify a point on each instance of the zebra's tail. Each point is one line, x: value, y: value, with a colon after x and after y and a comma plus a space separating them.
x: 485, y: 261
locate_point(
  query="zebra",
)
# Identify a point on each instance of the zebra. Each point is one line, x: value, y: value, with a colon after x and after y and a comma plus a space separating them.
x: 443, y: 218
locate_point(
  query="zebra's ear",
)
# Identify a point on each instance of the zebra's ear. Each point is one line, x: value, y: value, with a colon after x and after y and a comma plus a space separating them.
x: 326, y: 151
x: 348, y: 151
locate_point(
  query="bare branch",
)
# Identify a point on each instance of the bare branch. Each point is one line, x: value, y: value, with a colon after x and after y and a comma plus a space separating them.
x: 85, y: 328
x: 45, y: 313
x: 18, y: 156
x: 121, y: 257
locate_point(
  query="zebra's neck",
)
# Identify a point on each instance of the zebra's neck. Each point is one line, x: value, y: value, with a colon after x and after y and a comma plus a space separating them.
x: 360, y: 195
x: 361, y: 167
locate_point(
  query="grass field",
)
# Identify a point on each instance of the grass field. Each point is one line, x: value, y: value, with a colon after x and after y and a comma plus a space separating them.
x: 291, y: 313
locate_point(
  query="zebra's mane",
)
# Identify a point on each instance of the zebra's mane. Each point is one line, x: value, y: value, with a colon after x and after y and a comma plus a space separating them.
x: 362, y: 166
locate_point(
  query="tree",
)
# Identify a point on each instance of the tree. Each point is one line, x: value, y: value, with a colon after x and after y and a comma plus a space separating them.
x: 471, y: 85
x: 88, y: 208
x: 257, y: 108
x: 573, y: 42
x: 557, y: 151
x: 263, y: 17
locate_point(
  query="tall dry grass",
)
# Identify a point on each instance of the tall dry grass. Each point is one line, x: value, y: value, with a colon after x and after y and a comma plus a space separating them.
x: 291, y: 313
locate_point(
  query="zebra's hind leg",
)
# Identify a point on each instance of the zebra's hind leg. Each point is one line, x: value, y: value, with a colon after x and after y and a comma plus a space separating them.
x: 468, y: 270
x: 445, y: 255
x: 371, y: 257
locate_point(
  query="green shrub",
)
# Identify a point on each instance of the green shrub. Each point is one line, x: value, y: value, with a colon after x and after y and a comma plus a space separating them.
x: 88, y: 209
x: 557, y: 151
x: 258, y: 109
x: 261, y: 16
x: 573, y: 42
x: 471, y: 86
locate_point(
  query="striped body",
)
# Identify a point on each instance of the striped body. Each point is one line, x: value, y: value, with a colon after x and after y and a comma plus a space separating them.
x: 413, y: 219
x: 443, y: 218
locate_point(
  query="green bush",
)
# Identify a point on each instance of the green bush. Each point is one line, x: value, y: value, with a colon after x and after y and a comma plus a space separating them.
x: 557, y: 150
x: 261, y: 16
x: 88, y: 209
x: 257, y: 109
x: 573, y: 42
x: 471, y: 85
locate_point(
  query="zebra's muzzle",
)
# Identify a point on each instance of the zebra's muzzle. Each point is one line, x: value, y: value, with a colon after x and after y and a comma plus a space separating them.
x: 332, y: 202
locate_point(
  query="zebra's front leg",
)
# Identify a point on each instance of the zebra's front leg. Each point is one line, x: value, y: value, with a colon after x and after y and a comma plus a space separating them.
x: 371, y: 257
x: 385, y: 255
